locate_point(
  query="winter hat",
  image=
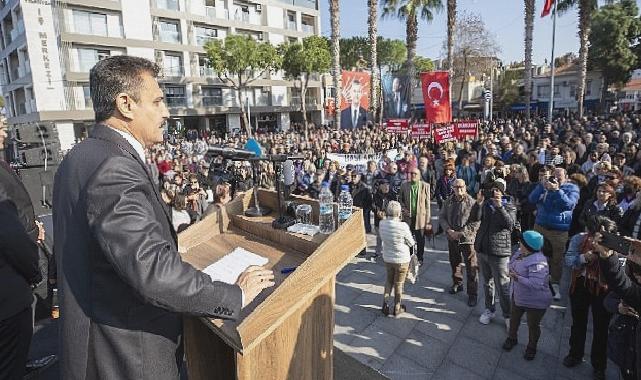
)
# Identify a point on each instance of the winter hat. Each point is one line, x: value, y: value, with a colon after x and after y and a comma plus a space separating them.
x: 499, y: 184
x: 532, y: 240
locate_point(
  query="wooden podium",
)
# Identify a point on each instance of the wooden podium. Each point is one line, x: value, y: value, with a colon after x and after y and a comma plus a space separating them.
x: 287, y: 332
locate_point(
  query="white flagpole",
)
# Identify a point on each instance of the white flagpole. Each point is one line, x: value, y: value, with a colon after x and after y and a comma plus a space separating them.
x: 551, y: 105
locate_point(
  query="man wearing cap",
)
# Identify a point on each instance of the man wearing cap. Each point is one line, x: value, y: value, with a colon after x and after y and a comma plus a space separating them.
x: 493, y: 244
x: 415, y: 200
x: 460, y: 230
x: 555, y: 199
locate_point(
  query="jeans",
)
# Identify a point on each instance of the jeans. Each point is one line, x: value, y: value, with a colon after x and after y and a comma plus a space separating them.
x: 15, y: 339
x: 460, y: 253
x: 534, y: 317
x: 419, y: 237
x: 379, y: 242
x: 367, y: 216
x: 582, y: 301
x: 558, y: 241
x: 396, y: 274
x: 495, y: 270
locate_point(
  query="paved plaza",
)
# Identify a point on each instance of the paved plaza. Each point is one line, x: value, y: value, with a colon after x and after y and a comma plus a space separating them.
x: 440, y: 337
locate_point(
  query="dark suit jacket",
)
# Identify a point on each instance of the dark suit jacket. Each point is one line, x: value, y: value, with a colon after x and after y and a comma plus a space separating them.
x: 346, y: 118
x: 18, y: 250
x: 122, y: 283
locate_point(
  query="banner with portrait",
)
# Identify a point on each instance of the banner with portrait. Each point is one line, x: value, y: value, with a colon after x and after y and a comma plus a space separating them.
x: 396, y: 95
x: 436, y: 95
x: 354, y: 99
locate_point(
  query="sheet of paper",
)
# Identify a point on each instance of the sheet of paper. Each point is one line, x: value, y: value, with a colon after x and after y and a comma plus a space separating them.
x: 230, y: 266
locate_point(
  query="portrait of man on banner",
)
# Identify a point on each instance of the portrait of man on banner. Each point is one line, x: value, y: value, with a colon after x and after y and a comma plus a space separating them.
x: 396, y: 96
x: 436, y: 95
x: 354, y: 99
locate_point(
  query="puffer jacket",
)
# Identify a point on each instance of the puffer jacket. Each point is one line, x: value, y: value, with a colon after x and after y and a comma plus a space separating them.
x: 531, y: 288
x: 554, y: 208
x: 494, y: 234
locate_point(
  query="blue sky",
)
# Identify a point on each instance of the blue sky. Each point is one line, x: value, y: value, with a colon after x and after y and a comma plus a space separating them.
x: 504, y: 18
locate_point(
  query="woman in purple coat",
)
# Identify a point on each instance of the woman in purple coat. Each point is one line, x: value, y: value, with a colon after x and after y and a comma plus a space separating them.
x: 530, y: 291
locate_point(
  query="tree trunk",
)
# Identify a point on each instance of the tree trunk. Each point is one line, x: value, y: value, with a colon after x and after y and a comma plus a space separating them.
x: 451, y: 25
x: 463, y: 80
x: 303, y: 105
x: 529, y: 29
x: 336, y: 58
x: 373, y: 63
x: 412, y: 36
x: 381, y: 97
x: 241, y: 103
x: 585, y: 16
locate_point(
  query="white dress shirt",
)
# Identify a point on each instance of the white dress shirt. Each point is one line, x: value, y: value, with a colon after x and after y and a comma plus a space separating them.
x: 134, y: 143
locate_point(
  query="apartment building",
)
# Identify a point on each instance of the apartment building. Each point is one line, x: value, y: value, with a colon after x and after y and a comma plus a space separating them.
x: 47, y: 48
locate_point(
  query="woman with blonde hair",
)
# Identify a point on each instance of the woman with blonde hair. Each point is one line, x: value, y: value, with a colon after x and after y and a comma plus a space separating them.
x: 397, y: 240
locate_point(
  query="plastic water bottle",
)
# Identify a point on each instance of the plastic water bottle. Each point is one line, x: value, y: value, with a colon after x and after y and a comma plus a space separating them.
x: 345, y: 204
x: 326, y: 217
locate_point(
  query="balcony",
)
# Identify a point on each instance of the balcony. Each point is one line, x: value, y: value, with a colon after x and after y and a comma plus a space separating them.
x: 22, y: 109
x: 212, y: 101
x: 241, y: 16
x: 32, y: 105
x: 173, y: 72
x: 207, y: 72
x: 171, y: 5
x: 291, y: 25
x: 308, y: 28
x: 213, y: 12
x: 169, y: 36
x: 176, y: 101
x: 201, y: 40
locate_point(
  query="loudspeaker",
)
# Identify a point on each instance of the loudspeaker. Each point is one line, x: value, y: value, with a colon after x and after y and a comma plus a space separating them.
x: 39, y: 185
x: 35, y: 133
x: 35, y: 156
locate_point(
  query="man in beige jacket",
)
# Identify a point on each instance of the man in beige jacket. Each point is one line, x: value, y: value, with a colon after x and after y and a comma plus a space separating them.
x: 414, y: 196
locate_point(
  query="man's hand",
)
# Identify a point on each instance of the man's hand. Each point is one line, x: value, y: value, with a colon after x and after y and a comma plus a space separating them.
x: 41, y: 231
x: 497, y: 202
x: 603, y: 252
x: 552, y: 186
x: 627, y: 310
x: 253, y: 280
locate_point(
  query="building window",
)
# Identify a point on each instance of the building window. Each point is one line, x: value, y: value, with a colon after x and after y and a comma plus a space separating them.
x: 588, y: 87
x: 87, y: 95
x: 543, y: 90
x: 170, y: 31
x: 212, y: 96
x: 172, y: 65
x: 87, y: 58
x: 90, y: 23
x: 557, y: 90
x: 167, y: 4
x: 204, y: 35
x: 175, y: 96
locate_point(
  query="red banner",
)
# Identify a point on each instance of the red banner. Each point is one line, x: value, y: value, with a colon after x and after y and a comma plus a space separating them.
x: 421, y: 130
x: 465, y: 129
x: 398, y: 125
x: 444, y: 133
x: 436, y: 95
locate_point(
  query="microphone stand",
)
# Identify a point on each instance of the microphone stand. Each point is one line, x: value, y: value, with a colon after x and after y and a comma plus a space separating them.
x: 283, y: 221
x: 257, y: 209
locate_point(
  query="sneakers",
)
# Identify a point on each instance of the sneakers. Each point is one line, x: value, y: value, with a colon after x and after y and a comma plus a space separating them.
x: 486, y: 317
x: 507, y: 325
x: 456, y: 288
x: 509, y: 344
x: 530, y: 353
x: 570, y: 361
x: 557, y: 292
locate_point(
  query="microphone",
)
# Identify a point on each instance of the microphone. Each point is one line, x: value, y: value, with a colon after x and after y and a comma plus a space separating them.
x: 231, y: 153
x: 288, y: 172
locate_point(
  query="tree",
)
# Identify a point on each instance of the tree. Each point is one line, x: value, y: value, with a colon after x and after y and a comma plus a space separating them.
x: 586, y: 9
x: 616, y: 29
x: 422, y: 65
x: 529, y: 30
x: 239, y: 61
x: 565, y: 59
x: 372, y: 22
x: 474, y: 49
x: 302, y: 60
x: 334, y: 8
x: 409, y: 11
x: 352, y: 52
x: 509, y: 92
x: 451, y: 23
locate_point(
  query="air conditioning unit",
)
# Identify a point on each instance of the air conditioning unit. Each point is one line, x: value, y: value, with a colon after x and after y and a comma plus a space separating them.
x: 259, y: 7
x: 196, y: 88
x: 266, y: 89
x: 259, y: 36
x: 565, y: 83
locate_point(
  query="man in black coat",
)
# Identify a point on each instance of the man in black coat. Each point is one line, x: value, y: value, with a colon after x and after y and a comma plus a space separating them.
x: 123, y: 286
x: 19, y: 271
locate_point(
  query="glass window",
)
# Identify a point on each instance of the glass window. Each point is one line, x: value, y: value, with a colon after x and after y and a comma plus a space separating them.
x: 203, y: 35
x: 212, y: 96
x: 87, y: 58
x: 588, y: 87
x: 90, y: 23
x: 169, y: 32
x: 172, y: 65
x: 87, y: 95
x: 175, y: 95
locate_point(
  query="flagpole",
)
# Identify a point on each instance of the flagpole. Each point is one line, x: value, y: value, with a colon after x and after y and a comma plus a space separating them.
x: 551, y: 105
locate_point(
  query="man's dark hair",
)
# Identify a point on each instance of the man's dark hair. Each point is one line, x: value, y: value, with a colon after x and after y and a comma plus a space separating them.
x: 115, y: 75
x: 596, y: 223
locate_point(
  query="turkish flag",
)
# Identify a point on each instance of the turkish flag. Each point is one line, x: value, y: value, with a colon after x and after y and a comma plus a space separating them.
x: 547, y: 8
x: 436, y: 95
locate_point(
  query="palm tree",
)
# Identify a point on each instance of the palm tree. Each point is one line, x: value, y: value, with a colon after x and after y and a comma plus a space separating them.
x: 373, y: 62
x: 334, y: 9
x: 586, y: 8
x: 451, y: 24
x: 409, y: 10
x: 529, y: 29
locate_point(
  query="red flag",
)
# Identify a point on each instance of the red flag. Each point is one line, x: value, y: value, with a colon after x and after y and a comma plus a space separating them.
x: 436, y: 95
x: 547, y: 8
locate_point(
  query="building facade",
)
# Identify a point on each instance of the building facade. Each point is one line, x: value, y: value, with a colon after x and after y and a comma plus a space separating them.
x: 566, y: 81
x: 47, y: 48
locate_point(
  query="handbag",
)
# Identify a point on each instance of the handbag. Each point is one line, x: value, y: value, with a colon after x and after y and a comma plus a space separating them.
x: 622, y: 341
x: 412, y: 272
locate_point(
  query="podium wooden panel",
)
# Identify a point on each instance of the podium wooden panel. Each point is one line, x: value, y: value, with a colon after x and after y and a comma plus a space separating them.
x: 287, y: 332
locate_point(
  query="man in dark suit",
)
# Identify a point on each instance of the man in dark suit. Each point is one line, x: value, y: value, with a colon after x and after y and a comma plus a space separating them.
x: 396, y: 104
x: 19, y: 270
x: 354, y: 116
x: 123, y: 286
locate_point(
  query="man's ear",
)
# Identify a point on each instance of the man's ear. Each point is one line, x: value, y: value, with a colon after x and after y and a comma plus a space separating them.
x: 125, y: 105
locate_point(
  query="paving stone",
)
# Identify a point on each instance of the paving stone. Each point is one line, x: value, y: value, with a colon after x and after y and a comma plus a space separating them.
x: 475, y: 356
x: 452, y: 371
x: 356, y: 317
x: 542, y: 367
x: 492, y: 335
x: 400, y: 327
x: 425, y: 350
x: 440, y: 326
x: 373, y: 345
x: 398, y: 367
x: 504, y: 374
x: 346, y: 294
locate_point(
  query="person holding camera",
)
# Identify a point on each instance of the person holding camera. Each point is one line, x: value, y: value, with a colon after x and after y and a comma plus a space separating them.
x: 196, y: 198
x: 604, y: 203
x: 555, y: 199
x: 588, y: 290
x: 493, y: 244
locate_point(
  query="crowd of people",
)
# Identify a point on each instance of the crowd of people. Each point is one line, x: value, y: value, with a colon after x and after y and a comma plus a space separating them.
x: 516, y: 205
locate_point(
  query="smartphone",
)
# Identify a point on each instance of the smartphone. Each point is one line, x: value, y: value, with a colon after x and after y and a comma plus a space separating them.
x: 616, y: 243
x: 506, y: 199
